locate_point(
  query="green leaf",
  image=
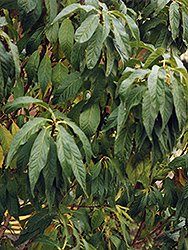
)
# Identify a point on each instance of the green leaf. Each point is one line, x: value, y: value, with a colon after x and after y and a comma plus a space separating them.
x: 32, y: 66
x: 72, y: 8
x: 111, y: 120
x: 77, y: 55
x: 68, y: 87
x: 170, y: 192
x: 110, y: 55
x: 34, y: 41
x: 161, y: 4
x: 143, y: 45
x: 89, y: 119
x: 127, y: 84
x: 51, y: 7
x: 185, y: 26
x: 174, y: 18
x: 95, y: 170
x: 87, y: 28
x: 45, y: 239
x: 1, y: 84
x: 44, y: 73
x: 93, y: 50
x: 68, y: 151
x: 23, y: 135
x: 179, y: 101
x: 156, y: 86
x: 166, y: 106
x: 50, y: 172
x: 21, y: 101
x: 153, y: 56
x: 52, y: 32
x: 123, y: 143
x: 105, y: 27
x: 94, y: 3
x: 38, y: 157
x: 97, y: 219
x: 58, y: 73
x: 5, y: 139
x: 27, y: 5
x: 121, y: 40
x: 131, y: 24
x: 149, y: 114
x: 66, y: 37
x: 82, y: 137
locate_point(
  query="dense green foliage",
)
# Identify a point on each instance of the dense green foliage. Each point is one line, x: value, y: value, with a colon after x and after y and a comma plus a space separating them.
x: 93, y: 128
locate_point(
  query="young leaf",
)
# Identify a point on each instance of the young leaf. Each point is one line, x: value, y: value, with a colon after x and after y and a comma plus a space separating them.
x: 5, y: 139
x: 32, y: 65
x: 38, y: 157
x: 44, y: 73
x: 93, y: 50
x: 68, y: 88
x: 89, y: 119
x: 87, y: 28
x: 66, y: 37
x: 174, y: 18
x: 23, y: 135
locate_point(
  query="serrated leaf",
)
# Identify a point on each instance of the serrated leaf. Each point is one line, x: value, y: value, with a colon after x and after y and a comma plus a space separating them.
x: 174, y: 18
x: 38, y: 157
x: 45, y: 239
x: 153, y: 56
x: 68, y: 87
x: 72, y: 8
x: 89, y: 119
x: 58, y: 73
x: 148, y: 114
x: 21, y: 101
x: 93, y: 50
x: 52, y: 32
x: 87, y: 28
x: 23, y: 135
x: 5, y: 139
x: 121, y: 40
x: 51, y: 7
x: 179, y: 101
x: 66, y: 37
x: 44, y: 73
x: 32, y: 65
x: 97, y: 219
x: 156, y: 85
x: 71, y: 154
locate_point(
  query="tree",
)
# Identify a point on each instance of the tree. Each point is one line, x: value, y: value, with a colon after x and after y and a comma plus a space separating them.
x: 93, y: 129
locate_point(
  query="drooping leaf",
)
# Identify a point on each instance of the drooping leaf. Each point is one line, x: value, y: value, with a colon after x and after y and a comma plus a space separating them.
x: 93, y: 50
x: 185, y: 26
x: 23, y: 135
x: 34, y: 41
x: 50, y: 172
x: 66, y: 37
x: 156, y: 85
x: 58, y: 73
x: 38, y: 157
x: 105, y: 27
x: 32, y: 65
x: 174, y: 18
x: 87, y: 28
x: 71, y: 155
x: 68, y: 87
x: 97, y: 219
x: 110, y: 55
x: 149, y: 114
x: 44, y: 73
x: 47, y: 240
x: 89, y: 119
x: 179, y: 101
x: 121, y: 40
x: 71, y: 9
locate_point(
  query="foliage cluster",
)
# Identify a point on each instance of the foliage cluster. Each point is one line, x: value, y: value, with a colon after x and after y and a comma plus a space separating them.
x: 93, y: 107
